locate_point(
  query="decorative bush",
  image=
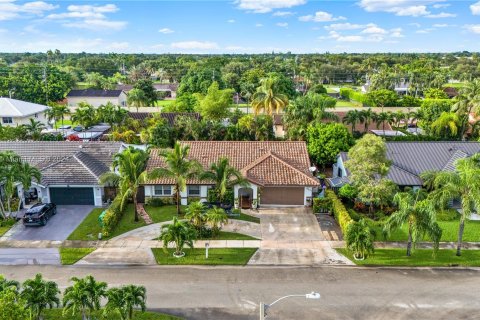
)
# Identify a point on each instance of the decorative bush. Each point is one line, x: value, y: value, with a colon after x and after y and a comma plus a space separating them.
x: 447, y: 215
x: 348, y: 192
x: 112, y: 217
x: 159, y: 201
x: 228, y: 198
x: 193, y: 199
x: 339, y: 211
x: 321, y: 205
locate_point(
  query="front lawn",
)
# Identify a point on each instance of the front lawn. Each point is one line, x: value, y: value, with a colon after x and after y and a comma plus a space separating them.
x: 419, y: 258
x: 6, y: 225
x: 57, y: 314
x: 245, y: 217
x: 224, y: 256
x: 66, y: 122
x: 163, y: 213
x: 72, y: 255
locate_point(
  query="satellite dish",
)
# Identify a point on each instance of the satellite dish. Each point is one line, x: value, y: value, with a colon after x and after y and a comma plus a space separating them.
x: 312, y: 169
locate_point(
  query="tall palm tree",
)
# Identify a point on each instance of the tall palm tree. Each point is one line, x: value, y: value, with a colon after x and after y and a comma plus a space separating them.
x: 111, y: 114
x: 131, y: 164
x: 178, y: 168
x: 57, y: 112
x: 446, y: 125
x: 267, y: 100
x: 195, y: 213
x: 137, y: 98
x: 84, y: 115
x: 40, y: 295
x: 468, y: 101
x: 123, y: 300
x: 216, y: 217
x: 382, y: 118
x: 353, y: 117
x: 224, y: 176
x: 6, y: 284
x: 34, y: 129
x: 463, y: 184
x: 180, y: 233
x: 419, y: 214
x: 368, y: 117
x: 83, y: 296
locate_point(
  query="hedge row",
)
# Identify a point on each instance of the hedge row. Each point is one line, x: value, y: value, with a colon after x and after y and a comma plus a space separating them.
x: 321, y: 205
x: 112, y: 216
x: 350, y: 94
x: 339, y: 211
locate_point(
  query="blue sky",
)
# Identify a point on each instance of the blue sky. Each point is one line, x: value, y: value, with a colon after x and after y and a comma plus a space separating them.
x: 240, y: 26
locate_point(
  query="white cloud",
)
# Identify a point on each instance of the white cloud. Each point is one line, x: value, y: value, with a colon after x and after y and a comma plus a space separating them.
x: 108, y: 8
x: 320, y: 16
x: 118, y: 45
x: 282, y: 13
x: 258, y: 25
x: 265, y: 6
x: 412, y: 8
x: 475, y: 28
x: 374, y: 29
x: 192, y: 45
x: 282, y: 24
x: 166, y: 30
x: 396, y: 33
x: 10, y: 10
x: 350, y: 39
x: 425, y: 31
x: 441, y: 15
x: 441, y: 25
x: 475, y: 8
x: 415, y: 24
x: 345, y: 26
x: 231, y: 21
x: 97, y: 24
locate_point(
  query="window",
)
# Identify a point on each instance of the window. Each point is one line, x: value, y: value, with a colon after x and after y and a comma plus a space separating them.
x: 339, y: 173
x: 162, y: 190
x: 36, y: 115
x: 194, y: 191
x: 7, y: 120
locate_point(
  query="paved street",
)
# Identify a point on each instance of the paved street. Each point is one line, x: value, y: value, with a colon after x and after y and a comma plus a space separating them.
x: 58, y: 227
x: 233, y: 293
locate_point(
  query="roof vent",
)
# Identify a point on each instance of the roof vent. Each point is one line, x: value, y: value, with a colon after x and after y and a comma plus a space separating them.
x: 80, y: 146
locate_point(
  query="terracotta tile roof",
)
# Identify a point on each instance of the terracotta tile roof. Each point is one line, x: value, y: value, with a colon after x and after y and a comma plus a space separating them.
x: 272, y: 163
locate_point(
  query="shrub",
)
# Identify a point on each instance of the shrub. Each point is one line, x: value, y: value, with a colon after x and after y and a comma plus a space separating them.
x: 159, y: 201
x: 321, y: 205
x: 112, y: 217
x: 359, y: 206
x: 354, y: 215
x: 339, y: 211
x: 447, y: 215
x: 348, y: 192
x: 193, y: 199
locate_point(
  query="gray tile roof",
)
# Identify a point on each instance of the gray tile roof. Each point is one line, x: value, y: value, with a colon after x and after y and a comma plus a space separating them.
x: 94, y: 93
x: 66, y: 162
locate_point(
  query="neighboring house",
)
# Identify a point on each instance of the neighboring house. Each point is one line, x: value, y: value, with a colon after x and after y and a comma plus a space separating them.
x: 359, y: 127
x: 170, y: 117
x: 411, y: 159
x: 277, y: 172
x: 70, y: 170
x: 169, y: 88
x: 401, y: 87
x: 16, y: 112
x: 278, y: 128
x: 96, y: 98
x: 388, y: 133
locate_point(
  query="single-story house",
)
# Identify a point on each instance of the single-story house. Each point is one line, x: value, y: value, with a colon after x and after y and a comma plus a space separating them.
x: 169, y: 88
x: 277, y: 172
x: 170, y: 117
x: 17, y: 112
x: 96, y: 98
x: 411, y: 159
x: 70, y: 170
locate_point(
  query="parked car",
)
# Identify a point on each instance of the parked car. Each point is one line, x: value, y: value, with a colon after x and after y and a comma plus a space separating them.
x: 39, y: 214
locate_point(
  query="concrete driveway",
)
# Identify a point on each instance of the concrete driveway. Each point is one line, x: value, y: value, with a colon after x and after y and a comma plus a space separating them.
x: 58, y: 227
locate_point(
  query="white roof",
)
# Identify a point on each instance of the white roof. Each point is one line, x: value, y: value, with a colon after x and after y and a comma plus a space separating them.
x: 17, y: 108
x: 387, y: 133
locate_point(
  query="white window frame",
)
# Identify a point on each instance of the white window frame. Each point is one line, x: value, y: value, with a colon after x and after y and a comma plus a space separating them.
x: 189, y: 192
x: 162, y: 189
x: 7, y: 120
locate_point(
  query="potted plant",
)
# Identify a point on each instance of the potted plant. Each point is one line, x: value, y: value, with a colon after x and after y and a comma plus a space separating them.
x: 254, y: 203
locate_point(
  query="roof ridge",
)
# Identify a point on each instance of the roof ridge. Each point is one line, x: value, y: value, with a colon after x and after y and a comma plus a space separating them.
x: 83, y: 164
x: 407, y: 171
x: 55, y: 163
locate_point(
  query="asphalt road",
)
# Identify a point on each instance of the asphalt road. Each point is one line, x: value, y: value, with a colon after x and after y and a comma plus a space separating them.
x: 234, y: 293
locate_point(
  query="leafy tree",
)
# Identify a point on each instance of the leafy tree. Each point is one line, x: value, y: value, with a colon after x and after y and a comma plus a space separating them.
x: 446, y: 126
x: 409, y: 102
x: 57, y: 112
x: 111, y: 114
x: 463, y: 184
x: 326, y: 141
x: 215, y: 105
x: 224, y: 176
x: 123, y: 300
x: 466, y: 103
x: 177, y: 167
x: 12, y: 306
x: 434, y: 93
x: 137, y: 98
x: 40, y: 295
x: 180, y: 233
x: 430, y: 110
x: 83, y: 296
x: 7, y: 284
x: 216, y: 217
x: 383, y: 98
x: 184, y: 103
x: 419, y: 214
x: 353, y: 117
x: 159, y: 134
x: 266, y: 99
x: 359, y: 239
x: 84, y: 115
x: 131, y: 174
x: 382, y: 118
x: 147, y: 87
x: 198, y: 80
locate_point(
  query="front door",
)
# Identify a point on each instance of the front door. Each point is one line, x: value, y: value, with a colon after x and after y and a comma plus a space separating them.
x: 245, y: 202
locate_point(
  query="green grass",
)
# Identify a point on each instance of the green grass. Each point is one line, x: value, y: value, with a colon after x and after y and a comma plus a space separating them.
x: 225, y: 235
x: 6, y: 225
x: 161, y: 103
x: 56, y: 314
x: 458, y: 85
x: 163, y: 213
x: 89, y: 228
x: 65, y: 123
x: 245, y: 217
x: 127, y: 223
x: 349, y: 104
x: 230, y: 256
x: 72, y: 255
x: 449, y: 232
x: 419, y: 258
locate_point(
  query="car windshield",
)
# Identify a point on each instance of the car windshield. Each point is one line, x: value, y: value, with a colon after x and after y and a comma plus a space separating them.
x: 34, y: 210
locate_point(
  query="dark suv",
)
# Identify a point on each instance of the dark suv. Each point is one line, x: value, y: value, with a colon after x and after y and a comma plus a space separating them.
x: 39, y: 214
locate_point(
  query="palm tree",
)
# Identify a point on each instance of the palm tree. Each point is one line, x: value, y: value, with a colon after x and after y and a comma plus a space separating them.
x: 467, y: 102
x: 111, y: 114
x: 131, y: 165
x: 34, y: 129
x: 57, y: 111
x: 178, y: 168
x: 382, y: 118
x: 359, y: 239
x: 368, y: 117
x: 267, y: 100
x: 462, y: 184
x: 6, y: 284
x: 419, y: 214
x: 123, y: 300
x: 446, y: 125
x: 39, y: 295
x: 83, y: 296
x: 137, y: 98
x: 224, y: 176
x: 84, y: 115
x: 216, y: 217
x: 195, y: 213
x: 353, y: 117
x: 180, y: 233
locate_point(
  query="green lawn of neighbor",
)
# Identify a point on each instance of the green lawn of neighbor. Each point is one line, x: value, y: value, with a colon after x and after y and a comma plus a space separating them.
x: 72, y: 255
x: 65, y: 123
x: 224, y: 256
x: 57, y: 314
x: 245, y: 217
x: 345, y: 103
x: 419, y: 258
x: 225, y: 235
x: 449, y: 232
x: 161, y: 103
x: 6, y: 225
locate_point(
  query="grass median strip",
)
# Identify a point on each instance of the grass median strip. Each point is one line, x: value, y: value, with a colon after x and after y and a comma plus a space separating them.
x: 419, y: 258
x: 70, y: 256
x: 216, y: 256
x: 57, y: 314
